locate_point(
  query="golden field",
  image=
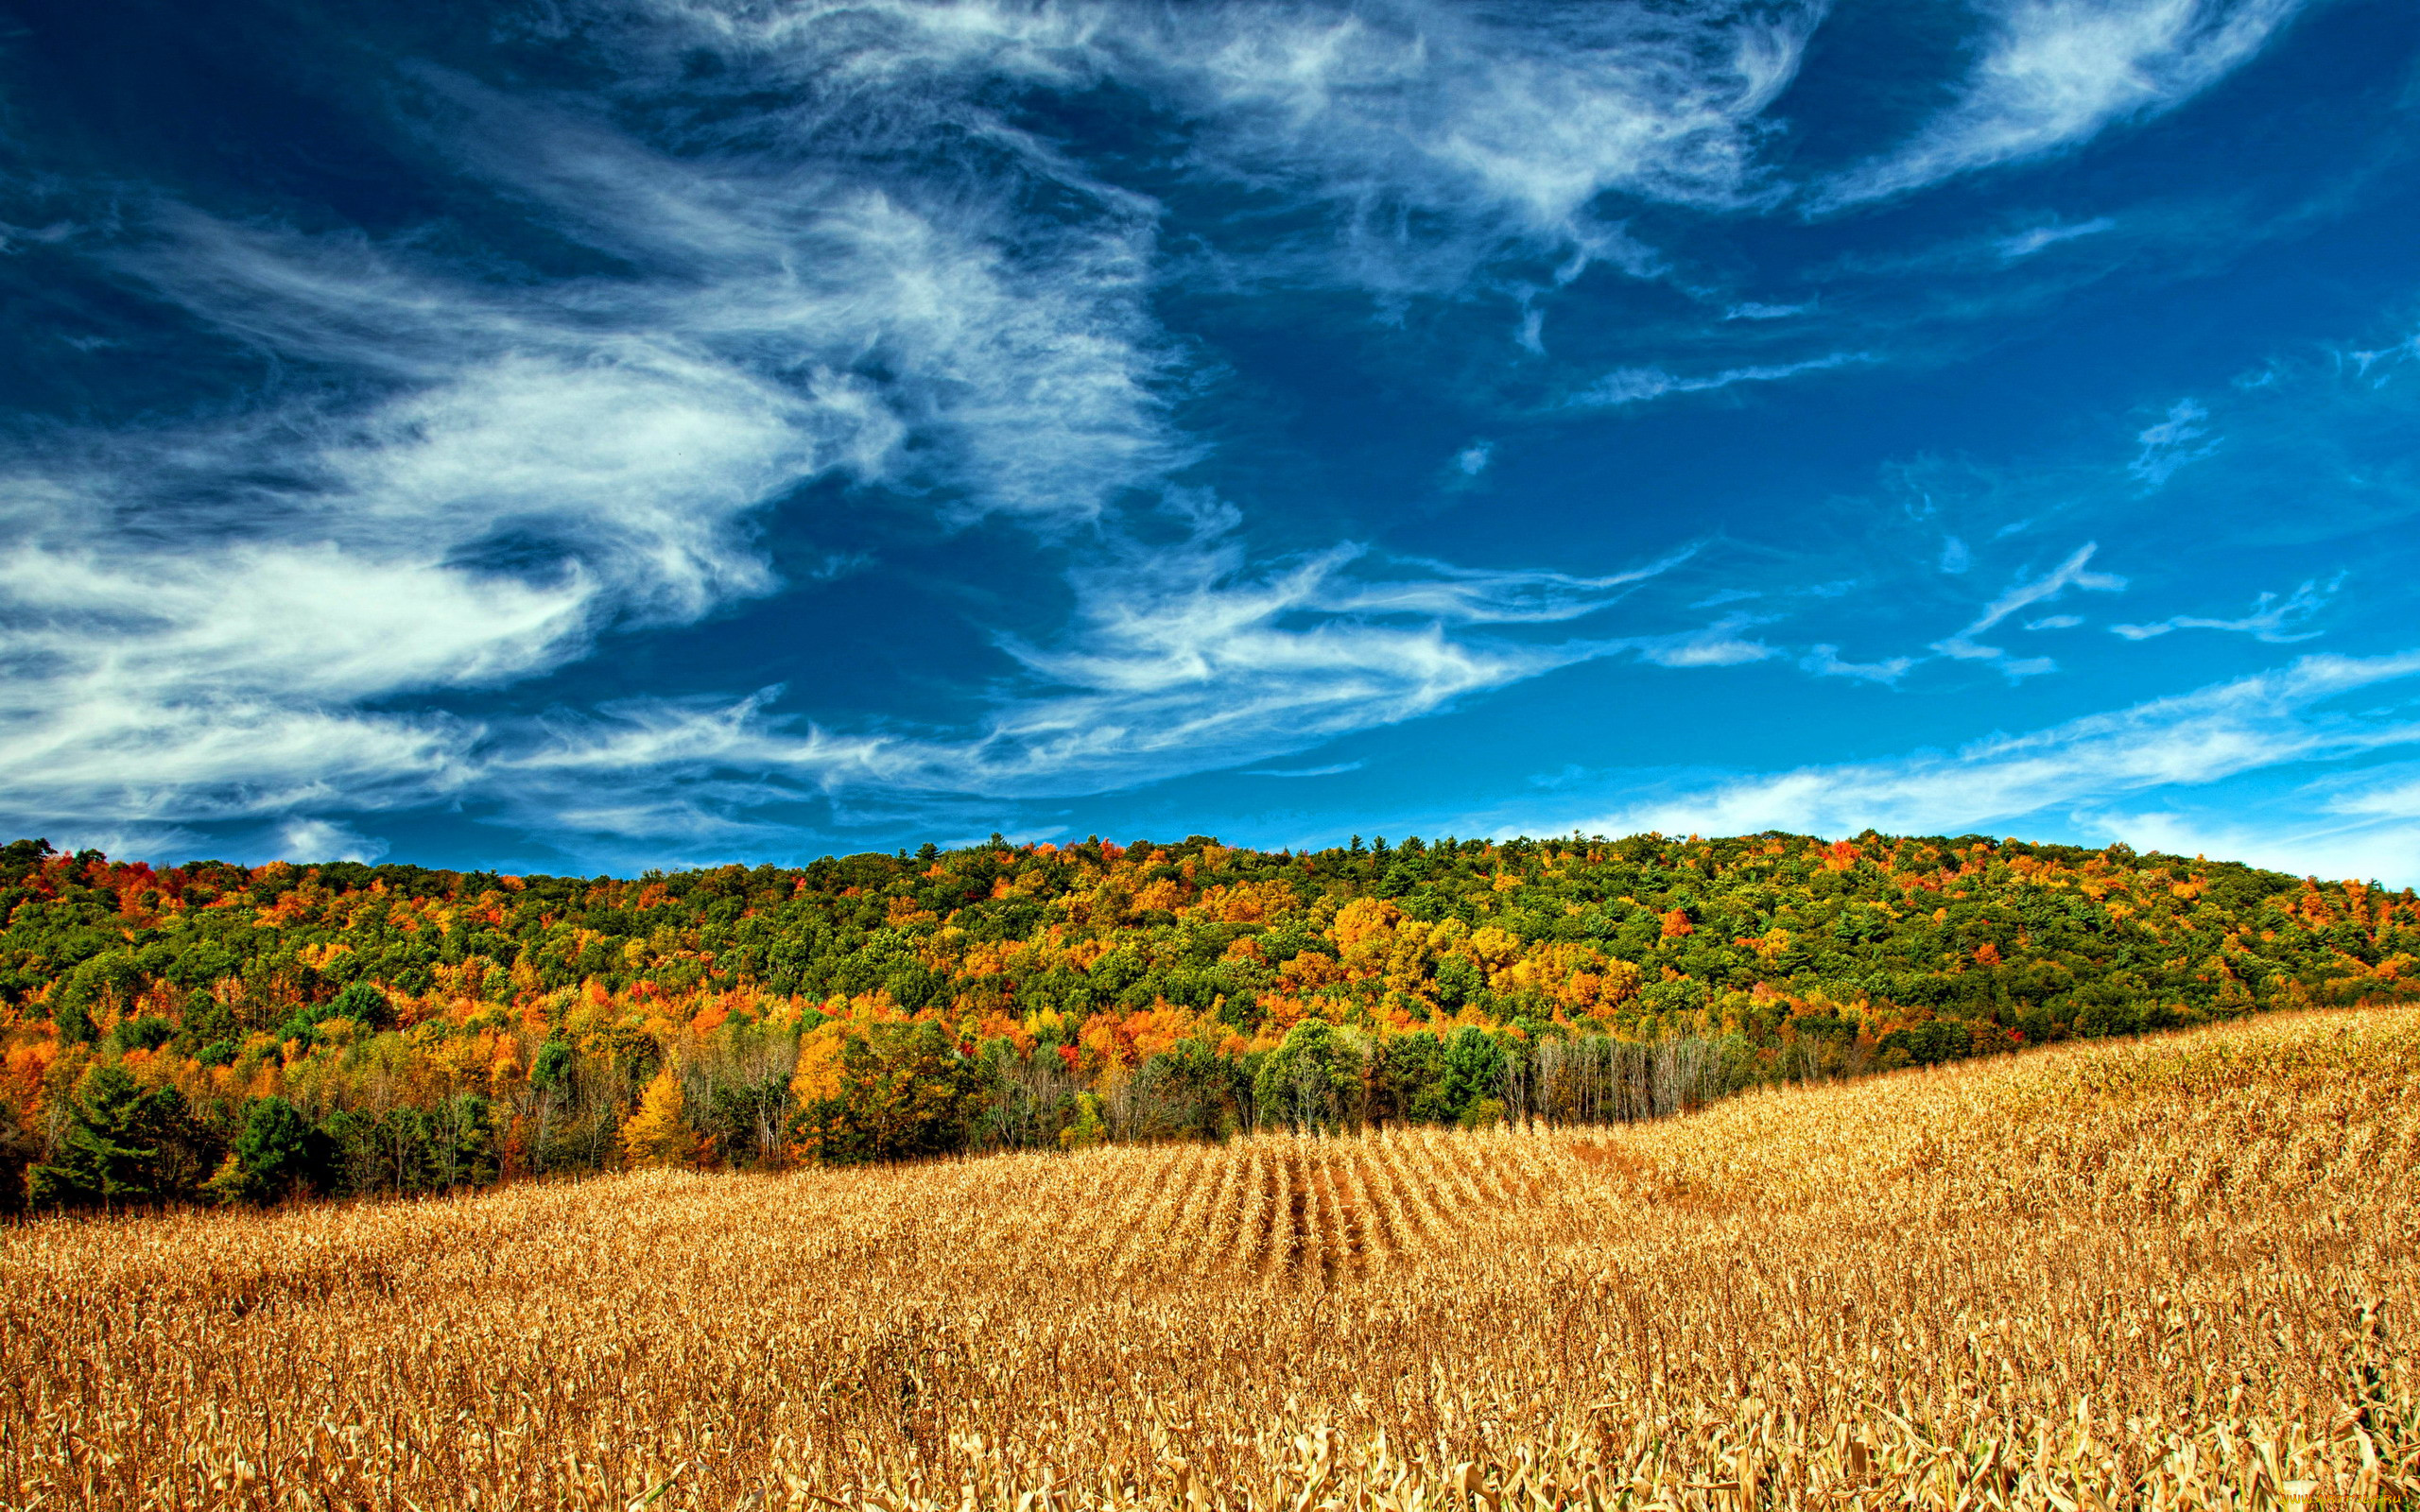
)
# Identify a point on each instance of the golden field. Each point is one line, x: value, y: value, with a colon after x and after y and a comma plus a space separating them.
x: 2165, y: 1273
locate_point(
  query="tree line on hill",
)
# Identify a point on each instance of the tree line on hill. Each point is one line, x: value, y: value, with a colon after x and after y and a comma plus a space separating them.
x: 225, y: 1033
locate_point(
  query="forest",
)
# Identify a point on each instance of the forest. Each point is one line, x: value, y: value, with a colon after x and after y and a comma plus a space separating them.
x: 212, y: 1032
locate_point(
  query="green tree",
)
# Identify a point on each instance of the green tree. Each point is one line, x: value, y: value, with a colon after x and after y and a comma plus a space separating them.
x: 1313, y: 1080
x: 1484, y: 1114
x: 1409, y: 1082
x: 1086, y: 1128
x: 552, y: 1068
x: 104, y: 1157
x: 183, y: 1144
x: 905, y: 1091
x: 463, y: 1141
x: 278, y: 1154
x: 362, y: 1003
x: 1472, y: 1064
x: 1189, y: 1089
x: 1460, y: 981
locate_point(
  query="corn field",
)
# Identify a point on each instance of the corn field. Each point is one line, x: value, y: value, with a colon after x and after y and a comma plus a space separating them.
x: 2167, y: 1272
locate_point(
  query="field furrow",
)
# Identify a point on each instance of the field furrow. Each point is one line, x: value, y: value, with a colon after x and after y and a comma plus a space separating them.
x: 2175, y: 1273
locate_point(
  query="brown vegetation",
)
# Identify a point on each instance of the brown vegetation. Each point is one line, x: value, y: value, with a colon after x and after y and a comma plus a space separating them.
x: 2176, y: 1272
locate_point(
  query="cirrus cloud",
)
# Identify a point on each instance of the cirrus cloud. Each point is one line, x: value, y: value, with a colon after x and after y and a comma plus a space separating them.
x: 2055, y: 73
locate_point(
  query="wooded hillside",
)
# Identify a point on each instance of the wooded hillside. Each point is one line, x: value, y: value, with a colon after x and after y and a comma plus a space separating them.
x: 211, y: 1030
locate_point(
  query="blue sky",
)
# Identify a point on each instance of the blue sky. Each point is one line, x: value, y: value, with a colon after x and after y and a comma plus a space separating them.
x: 580, y: 437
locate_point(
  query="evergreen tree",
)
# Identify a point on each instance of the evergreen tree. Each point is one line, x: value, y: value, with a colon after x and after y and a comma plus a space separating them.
x: 278, y: 1154
x: 363, y: 1005
x: 1472, y: 1064
x: 104, y: 1157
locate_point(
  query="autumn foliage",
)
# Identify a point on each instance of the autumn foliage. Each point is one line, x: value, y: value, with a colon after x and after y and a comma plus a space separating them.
x: 433, y: 1029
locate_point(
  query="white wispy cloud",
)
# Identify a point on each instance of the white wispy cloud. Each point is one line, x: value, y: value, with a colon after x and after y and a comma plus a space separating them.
x: 484, y: 472
x: 160, y: 681
x: 1337, y: 769
x: 2379, y: 364
x: 1825, y: 661
x: 2072, y: 572
x: 1637, y: 385
x: 2273, y: 719
x: 1473, y: 595
x: 2182, y: 437
x: 309, y: 839
x: 1509, y: 124
x: 1726, y: 595
x: 2025, y: 242
x: 1181, y: 660
x: 1752, y: 310
x: 2389, y: 792
x: 1718, y: 645
x: 2052, y: 74
x: 1512, y: 123
x: 2272, y: 618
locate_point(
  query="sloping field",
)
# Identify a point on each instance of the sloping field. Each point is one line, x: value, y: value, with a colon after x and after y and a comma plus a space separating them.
x: 2170, y: 1273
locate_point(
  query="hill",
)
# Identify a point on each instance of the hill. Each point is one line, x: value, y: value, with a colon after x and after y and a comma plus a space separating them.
x: 2177, y: 1271
x: 351, y: 1029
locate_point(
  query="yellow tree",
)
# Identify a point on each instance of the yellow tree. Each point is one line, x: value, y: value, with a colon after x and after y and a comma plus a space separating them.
x: 658, y: 1134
